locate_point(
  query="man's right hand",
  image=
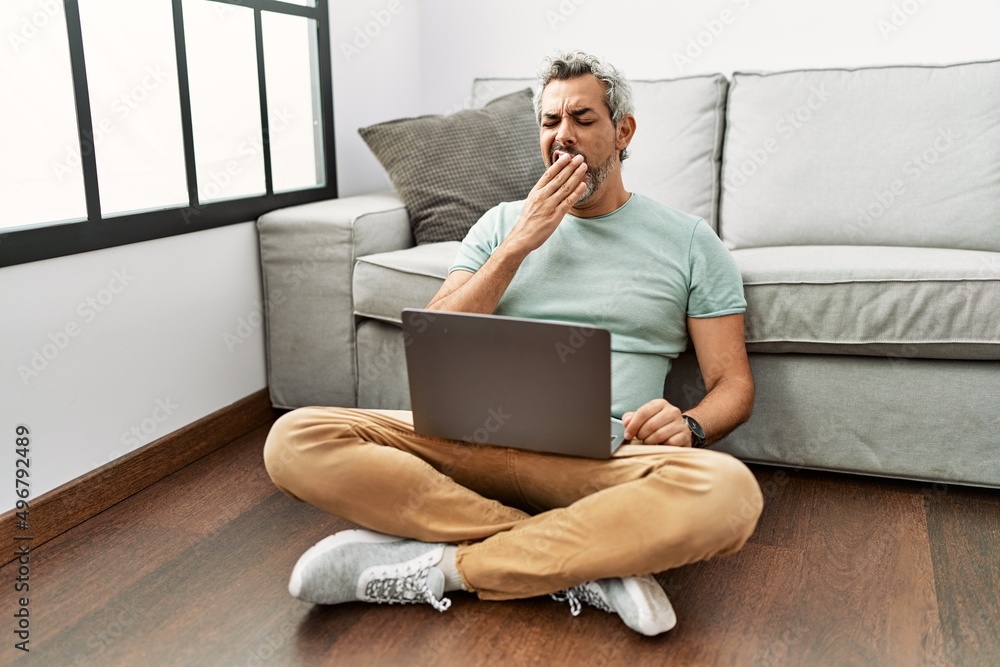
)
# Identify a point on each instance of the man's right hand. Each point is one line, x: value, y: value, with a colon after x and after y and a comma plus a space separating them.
x: 559, y: 188
x: 555, y: 193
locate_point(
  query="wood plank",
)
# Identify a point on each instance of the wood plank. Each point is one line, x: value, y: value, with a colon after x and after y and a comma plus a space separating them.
x: 82, y: 571
x: 870, y: 598
x: 208, y: 604
x: 964, y: 527
x: 57, y: 511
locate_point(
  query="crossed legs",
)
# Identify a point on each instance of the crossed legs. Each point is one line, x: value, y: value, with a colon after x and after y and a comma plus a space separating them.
x: 527, y: 523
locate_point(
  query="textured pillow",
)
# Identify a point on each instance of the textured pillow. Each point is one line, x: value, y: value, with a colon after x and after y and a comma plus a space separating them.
x: 449, y: 170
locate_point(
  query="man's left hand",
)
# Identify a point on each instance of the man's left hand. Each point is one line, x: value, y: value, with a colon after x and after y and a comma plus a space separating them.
x: 657, y: 423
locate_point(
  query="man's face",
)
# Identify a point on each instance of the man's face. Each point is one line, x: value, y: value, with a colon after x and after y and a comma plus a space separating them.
x: 576, y: 120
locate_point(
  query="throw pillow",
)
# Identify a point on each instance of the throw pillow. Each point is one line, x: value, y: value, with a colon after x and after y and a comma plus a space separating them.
x: 449, y: 170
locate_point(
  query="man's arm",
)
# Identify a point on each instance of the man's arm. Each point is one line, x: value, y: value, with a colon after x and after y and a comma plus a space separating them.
x: 547, y: 204
x: 479, y: 292
x: 722, y: 356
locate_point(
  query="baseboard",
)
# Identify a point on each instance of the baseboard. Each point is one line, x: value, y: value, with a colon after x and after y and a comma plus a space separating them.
x: 74, y: 502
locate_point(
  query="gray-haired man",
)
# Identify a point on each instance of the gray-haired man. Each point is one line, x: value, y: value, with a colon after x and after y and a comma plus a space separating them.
x: 508, y: 523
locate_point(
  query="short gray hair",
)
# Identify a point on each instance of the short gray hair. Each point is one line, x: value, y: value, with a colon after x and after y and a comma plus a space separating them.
x: 571, y: 64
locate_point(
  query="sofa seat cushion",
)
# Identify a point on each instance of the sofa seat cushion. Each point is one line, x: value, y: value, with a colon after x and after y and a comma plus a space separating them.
x: 872, y: 300
x: 387, y: 282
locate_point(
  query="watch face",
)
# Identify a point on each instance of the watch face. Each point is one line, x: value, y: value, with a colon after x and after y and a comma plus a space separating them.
x: 696, y: 430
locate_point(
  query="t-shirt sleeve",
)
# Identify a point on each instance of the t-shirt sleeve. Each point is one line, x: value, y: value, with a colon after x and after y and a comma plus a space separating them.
x: 716, y: 284
x: 479, y: 243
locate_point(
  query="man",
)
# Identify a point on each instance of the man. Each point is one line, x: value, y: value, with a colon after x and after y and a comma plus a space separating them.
x: 509, y: 523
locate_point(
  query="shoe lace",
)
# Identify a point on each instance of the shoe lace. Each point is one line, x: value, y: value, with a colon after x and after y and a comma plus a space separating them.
x: 578, y: 594
x: 405, y: 588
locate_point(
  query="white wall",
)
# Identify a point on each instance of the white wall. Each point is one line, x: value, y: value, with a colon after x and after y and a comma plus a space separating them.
x: 376, y: 77
x: 459, y: 40
x: 106, y: 351
x: 462, y: 40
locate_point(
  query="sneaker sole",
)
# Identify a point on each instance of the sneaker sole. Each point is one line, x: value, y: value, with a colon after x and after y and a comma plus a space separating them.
x: 357, y: 536
x: 656, y: 615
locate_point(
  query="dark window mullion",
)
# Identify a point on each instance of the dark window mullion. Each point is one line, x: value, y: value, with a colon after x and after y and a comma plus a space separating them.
x: 184, y: 89
x: 326, y: 94
x: 84, y: 120
x: 264, y: 121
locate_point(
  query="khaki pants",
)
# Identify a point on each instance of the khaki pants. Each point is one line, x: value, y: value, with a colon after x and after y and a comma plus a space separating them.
x: 527, y: 523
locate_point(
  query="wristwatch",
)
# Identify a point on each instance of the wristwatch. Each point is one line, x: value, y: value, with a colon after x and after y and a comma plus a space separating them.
x: 697, y: 432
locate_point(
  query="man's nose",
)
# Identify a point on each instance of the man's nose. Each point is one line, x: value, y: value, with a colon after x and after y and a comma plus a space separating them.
x: 565, y: 134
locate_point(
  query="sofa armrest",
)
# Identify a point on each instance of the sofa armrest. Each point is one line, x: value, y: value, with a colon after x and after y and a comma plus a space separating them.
x: 307, y: 259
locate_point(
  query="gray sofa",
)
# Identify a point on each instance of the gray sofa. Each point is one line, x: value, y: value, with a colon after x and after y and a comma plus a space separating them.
x: 862, y: 207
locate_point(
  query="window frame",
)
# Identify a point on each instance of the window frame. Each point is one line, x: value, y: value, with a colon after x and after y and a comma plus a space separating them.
x: 49, y: 241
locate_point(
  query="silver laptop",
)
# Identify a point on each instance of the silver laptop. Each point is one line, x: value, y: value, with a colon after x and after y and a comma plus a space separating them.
x: 512, y: 382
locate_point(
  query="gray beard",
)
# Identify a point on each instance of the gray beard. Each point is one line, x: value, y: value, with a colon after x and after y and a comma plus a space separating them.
x: 596, y: 177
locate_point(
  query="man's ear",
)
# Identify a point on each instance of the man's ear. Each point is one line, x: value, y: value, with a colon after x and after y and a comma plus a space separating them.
x: 624, y: 132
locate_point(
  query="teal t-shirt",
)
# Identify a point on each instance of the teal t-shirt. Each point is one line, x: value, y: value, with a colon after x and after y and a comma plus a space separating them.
x: 638, y: 271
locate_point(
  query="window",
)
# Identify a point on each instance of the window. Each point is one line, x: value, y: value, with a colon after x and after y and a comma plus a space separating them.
x: 131, y: 63
x: 41, y: 177
x: 139, y: 120
x: 290, y: 45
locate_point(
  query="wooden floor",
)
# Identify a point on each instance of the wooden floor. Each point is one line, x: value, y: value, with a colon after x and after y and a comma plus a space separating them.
x: 842, y: 571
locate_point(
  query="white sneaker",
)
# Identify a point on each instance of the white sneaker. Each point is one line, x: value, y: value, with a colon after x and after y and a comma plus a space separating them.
x: 639, y: 601
x: 370, y: 567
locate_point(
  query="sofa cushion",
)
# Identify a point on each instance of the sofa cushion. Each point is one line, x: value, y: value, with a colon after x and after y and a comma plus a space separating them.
x: 899, y: 156
x: 676, y: 154
x: 451, y: 169
x: 387, y: 282
x: 869, y: 300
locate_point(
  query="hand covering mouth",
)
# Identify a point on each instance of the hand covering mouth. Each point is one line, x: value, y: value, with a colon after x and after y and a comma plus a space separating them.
x: 565, y: 151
